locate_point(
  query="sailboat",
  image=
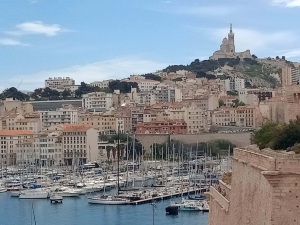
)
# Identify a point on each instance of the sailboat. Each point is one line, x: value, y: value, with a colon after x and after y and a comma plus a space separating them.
x: 111, y: 199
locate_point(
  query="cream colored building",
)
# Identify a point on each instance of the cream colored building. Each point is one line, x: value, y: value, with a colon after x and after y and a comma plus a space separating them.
x: 48, y: 148
x: 196, y: 119
x: 60, y: 116
x: 10, y: 142
x: 242, y: 116
x: 97, y: 101
x: 205, y: 102
x: 9, y: 105
x: 103, y: 122
x: 290, y: 75
x: 101, y: 84
x: 59, y: 82
x: 79, y: 143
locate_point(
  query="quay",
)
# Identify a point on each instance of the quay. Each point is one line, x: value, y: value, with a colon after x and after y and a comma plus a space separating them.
x: 165, y: 197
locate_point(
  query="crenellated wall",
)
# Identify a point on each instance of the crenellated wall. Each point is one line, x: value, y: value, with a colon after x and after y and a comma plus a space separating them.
x: 265, y: 190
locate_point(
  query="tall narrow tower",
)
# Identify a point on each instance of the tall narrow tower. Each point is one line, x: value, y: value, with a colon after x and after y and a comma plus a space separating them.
x: 231, y: 46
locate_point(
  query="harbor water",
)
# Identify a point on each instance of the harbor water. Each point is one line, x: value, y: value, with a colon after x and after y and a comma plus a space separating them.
x: 77, y: 211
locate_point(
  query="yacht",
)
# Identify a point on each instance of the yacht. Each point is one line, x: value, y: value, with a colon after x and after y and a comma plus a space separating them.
x: 2, y: 189
x: 67, y: 192
x: 108, y: 200
x: 38, y: 193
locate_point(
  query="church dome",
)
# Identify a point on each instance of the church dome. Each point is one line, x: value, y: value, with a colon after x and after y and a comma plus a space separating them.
x: 225, y: 40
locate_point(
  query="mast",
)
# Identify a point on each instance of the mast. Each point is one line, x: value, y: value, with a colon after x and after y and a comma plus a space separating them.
x: 127, y: 158
x: 118, y: 156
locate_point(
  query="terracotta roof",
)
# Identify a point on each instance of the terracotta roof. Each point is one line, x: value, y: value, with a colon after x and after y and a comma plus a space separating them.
x: 15, y: 132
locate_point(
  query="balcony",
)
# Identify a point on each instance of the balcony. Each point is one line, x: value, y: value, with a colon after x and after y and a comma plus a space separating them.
x: 216, y: 195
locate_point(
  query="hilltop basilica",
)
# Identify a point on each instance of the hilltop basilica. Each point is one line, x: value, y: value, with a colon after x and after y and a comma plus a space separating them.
x: 227, y: 49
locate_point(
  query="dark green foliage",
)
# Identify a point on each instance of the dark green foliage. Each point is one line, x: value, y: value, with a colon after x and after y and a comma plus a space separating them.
x: 177, y: 79
x: 221, y: 103
x: 277, y: 136
x: 232, y: 93
x: 217, y: 147
x: 152, y: 76
x: 84, y: 89
x: 250, y: 61
x: 254, y: 56
x: 236, y: 103
x: 15, y: 94
x: 124, y: 87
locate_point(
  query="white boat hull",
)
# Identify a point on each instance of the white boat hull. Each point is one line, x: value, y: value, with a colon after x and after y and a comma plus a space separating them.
x: 33, y: 195
x: 14, y: 193
x: 109, y: 201
x: 2, y: 190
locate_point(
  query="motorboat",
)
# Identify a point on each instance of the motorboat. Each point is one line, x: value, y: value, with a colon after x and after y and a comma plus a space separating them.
x: 55, y: 197
x: 108, y: 200
x: 67, y: 192
x: 37, y: 193
x: 2, y: 189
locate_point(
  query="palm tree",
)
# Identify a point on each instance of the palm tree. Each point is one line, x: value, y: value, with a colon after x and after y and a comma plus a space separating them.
x: 114, y: 152
x: 108, y: 149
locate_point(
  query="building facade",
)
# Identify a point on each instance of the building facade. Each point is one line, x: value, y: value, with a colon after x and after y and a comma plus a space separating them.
x: 162, y: 127
x: 97, y: 101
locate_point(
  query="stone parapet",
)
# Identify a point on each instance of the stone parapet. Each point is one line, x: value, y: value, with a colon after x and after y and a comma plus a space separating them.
x: 217, y: 196
x: 226, y: 188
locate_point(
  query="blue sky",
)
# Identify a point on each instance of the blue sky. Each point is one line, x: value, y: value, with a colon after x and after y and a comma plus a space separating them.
x: 100, y: 39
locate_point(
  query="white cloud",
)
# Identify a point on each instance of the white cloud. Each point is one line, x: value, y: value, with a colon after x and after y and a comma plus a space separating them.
x: 11, y: 42
x: 286, y: 3
x: 36, y: 27
x: 293, y: 53
x: 259, y: 42
x: 167, y: 2
x: 109, y: 69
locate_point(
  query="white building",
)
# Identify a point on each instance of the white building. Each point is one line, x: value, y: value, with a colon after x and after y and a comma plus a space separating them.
x: 60, y: 116
x: 59, y: 82
x: 97, y: 101
x: 165, y: 94
x: 225, y: 85
x: 146, y: 85
x: 101, y: 84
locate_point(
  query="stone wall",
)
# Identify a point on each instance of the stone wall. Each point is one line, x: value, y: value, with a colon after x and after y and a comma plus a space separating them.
x: 265, y: 190
x: 239, y: 139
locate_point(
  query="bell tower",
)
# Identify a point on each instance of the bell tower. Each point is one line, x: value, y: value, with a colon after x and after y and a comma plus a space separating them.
x: 231, y: 45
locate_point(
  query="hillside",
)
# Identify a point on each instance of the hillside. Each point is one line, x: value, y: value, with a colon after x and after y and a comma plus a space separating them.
x: 256, y: 72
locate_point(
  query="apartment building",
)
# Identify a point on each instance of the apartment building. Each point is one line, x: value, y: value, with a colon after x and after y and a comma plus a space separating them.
x: 9, y: 106
x: 149, y: 115
x: 79, y: 144
x: 97, y: 101
x: 47, y: 147
x: 290, y: 75
x: 197, y: 120
x: 101, y: 84
x: 204, y: 102
x: 146, y: 85
x: 59, y: 116
x: 105, y: 123
x: 242, y: 116
x: 262, y: 94
x: 10, y: 142
x: 57, y: 83
x: 165, y: 94
x: 162, y: 127
x: 137, y: 116
x: 176, y: 111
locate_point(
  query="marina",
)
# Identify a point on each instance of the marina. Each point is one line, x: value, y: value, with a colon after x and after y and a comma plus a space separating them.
x: 76, y: 211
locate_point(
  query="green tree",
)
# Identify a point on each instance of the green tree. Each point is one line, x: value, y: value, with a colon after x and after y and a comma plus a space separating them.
x: 221, y: 103
x: 267, y: 135
x: 66, y: 93
x: 236, y: 103
x: 15, y: 94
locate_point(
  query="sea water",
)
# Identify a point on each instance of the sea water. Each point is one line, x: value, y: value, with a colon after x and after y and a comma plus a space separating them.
x: 77, y: 211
